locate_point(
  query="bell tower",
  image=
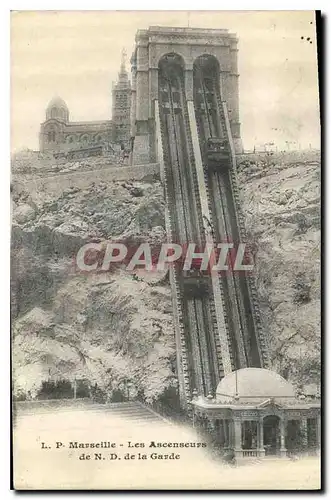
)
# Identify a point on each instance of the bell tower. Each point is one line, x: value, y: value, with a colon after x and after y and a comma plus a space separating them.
x: 121, y: 104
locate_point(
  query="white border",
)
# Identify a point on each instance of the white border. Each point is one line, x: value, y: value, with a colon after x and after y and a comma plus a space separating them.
x: 5, y: 149
x: 184, y: 5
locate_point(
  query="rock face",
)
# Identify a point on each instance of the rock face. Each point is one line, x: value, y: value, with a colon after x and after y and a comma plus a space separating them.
x: 115, y: 328
x: 281, y: 205
x: 108, y: 328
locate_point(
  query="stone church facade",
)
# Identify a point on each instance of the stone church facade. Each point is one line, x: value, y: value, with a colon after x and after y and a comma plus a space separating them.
x: 133, y: 106
x: 58, y: 133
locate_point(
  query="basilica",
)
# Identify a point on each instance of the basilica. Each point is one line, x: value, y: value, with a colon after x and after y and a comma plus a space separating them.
x: 58, y: 133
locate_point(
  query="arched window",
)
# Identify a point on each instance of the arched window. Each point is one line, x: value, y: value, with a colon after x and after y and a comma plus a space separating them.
x: 54, y: 112
x: 84, y: 139
x: 51, y: 136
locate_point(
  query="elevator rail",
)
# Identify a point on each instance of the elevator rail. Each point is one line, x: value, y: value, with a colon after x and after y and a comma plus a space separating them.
x: 200, y: 357
x: 227, y: 222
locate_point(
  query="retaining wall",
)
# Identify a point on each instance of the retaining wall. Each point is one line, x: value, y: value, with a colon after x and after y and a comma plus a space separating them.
x: 39, y: 187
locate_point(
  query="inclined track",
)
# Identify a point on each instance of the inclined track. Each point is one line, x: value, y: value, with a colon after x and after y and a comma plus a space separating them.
x: 202, y: 365
x: 239, y: 291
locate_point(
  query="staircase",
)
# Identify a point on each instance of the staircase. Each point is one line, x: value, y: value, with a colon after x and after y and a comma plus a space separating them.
x: 131, y: 412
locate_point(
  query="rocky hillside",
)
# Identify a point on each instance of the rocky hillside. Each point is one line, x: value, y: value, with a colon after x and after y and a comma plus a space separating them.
x: 281, y: 205
x: 107, y: 328
x: 115, y: 328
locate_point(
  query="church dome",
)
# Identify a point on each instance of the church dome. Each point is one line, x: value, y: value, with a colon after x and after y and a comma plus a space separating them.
x: 57, y: 109
x: 253, y: 383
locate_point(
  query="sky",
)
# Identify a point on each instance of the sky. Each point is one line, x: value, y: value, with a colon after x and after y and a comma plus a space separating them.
x: 77, y: 54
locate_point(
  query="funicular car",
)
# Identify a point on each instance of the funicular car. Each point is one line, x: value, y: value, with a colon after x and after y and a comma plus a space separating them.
x: 195, y: 283
x: 218, y: 153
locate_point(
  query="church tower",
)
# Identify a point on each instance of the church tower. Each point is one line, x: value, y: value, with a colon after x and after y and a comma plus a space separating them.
x: 121, y: 104
x: 52, y: 130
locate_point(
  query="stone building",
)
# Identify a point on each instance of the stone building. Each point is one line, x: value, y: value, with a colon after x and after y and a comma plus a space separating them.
x: 58, y: 133
x: 121, y: 105
x: 256, y: 413
x: 189, y: 44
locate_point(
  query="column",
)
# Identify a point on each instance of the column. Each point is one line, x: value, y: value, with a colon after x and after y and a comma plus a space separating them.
x: 318, y: 434
x: 234, y: 86
x: 141, y: 149
x: 304, y: 436
x: 153, y: 96
x: 260, y: 438
x: 226, y: 433
x: 220, y: 432
x: 237, y: 438
x: 198, y: 424
x: 142, y: 95
x: 212, y: 428
x: 194, y: 418
x: 153, y: 89
x: 282, y: 430
x: 255, y: 437
x: 229, y: 427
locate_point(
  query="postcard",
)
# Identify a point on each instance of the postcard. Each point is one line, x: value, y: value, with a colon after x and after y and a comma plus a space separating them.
x: 165, y: 250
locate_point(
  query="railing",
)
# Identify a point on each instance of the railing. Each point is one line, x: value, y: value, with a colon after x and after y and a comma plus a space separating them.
x: 250, y: 453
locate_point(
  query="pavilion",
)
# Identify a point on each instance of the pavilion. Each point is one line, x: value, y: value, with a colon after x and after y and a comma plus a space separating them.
x: 256, y: 413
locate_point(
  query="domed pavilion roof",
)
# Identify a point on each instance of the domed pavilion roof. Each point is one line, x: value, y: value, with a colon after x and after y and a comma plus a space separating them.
x: 253, y: 384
